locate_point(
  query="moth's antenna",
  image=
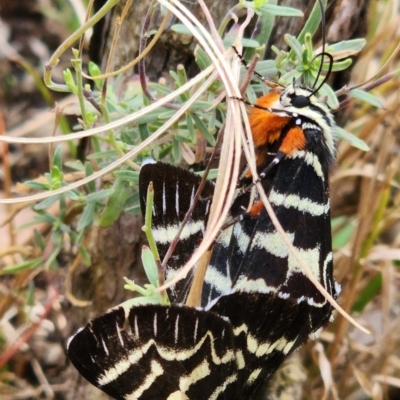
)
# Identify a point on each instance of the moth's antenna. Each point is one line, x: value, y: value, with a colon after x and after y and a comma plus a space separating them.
x: 323, y: 54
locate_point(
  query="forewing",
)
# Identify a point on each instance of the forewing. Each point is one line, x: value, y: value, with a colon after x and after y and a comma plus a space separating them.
x: 255, y: 255
x: 174, y: 192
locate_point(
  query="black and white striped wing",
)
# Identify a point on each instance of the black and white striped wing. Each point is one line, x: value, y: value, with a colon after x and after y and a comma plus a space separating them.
x: 266, y: 329
x: 174, y: 191
x: 154, y: 352
x: 252, y: 256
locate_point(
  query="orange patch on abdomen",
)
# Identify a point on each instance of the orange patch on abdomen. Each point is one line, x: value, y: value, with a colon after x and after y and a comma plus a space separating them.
x: 256, y: 209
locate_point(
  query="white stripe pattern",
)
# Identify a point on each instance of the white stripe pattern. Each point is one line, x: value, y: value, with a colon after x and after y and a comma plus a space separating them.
x: 299, y: 203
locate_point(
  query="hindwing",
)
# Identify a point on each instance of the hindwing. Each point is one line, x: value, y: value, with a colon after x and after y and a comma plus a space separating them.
x: 170, y: 353
x: 156, y: 352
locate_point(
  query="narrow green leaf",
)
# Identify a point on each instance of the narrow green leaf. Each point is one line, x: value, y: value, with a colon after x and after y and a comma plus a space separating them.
x: 182, y: 29
x: 248, y: 43
x: 280, y: 11
x: 116, y: 202
x: 129, y: 176
x: 76, y: 165
x: 312, y: 23
x: 47, y: 202
x: 294, y: 44
x: 150, y: 266
x: 212, y: 174
x: 91, y: 186
x: 13, y: 269
x: 373, y: 287
x: 73, y: 195
x: 37, y: 185
x: 349, y: 137
x: 144, y: 131
x: 190, y: 128
x: 203, y: 129
x: 57, y: 158
x: 266, y: 23
x: 327, y: 92
x: 99, y: 196
x: 343, y: 236
x: 176, y: 151
x: 94, y: 71
x: 201, y: 58
x: 338, y: 65
x: 132, y: 204
x: 52, y: 259
x: 354, y: 45
x: 85, y: 255
x: 367, y: 97
x: 39, y: 240
x: 87, y: 216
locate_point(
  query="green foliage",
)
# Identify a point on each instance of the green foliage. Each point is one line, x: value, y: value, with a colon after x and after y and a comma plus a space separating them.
x: 102, y: 202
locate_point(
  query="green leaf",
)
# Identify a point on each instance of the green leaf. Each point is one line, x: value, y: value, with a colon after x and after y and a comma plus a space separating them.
x: 87, y: 216
x: 47, y: 202
x: 176, y: 150
x: 116, y: 202
x: 249, y: 43
x: 338, y: 65
x: 372, y: 288
x: 349, y: 137
x: 73, y: 195
x: 13, y: 269
x: 39, y: 240
x: 327, y: 92
x: 57, y: 158
x: 144, y: 131
x: 265, y: 23
x: 94, y: 71
x: 267, y: 68
x: 129, y: 176
x: 182, y: 29
x: 132, y: 204
x: 85, y: 255
x: 190, y: 128
x: 312, y: 23
x: 69, y: 80
x: 280, y: 11
x: 76, y: 165
x: 294, y: 44
x: 37, y: 185
x: 354, y: 45
x: 201, y: 58
x: 91, y: 186
x: 150, y: 266
x: 212, y: 174
x: 203, y: 129
x: 367, y: 97
x: 57, y: 177
x: 52, y: 259
x: 343, y: 236
x: 99, y: 196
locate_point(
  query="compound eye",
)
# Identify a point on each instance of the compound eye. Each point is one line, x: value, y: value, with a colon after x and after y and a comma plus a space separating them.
x: 300, y: 101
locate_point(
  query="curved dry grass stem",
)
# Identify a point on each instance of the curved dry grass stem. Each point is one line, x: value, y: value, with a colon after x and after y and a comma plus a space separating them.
x: 230, y: 151
x: 131, y: 154
x: 143, y: 54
